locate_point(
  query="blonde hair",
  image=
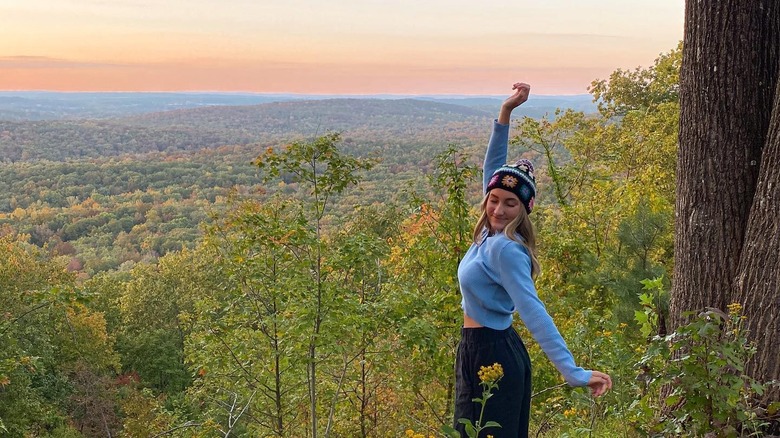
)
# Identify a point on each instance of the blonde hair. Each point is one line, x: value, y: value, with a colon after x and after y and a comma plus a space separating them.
x: 520, y: 229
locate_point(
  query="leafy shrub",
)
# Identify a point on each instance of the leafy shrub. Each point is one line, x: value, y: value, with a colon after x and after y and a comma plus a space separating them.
x: 701, y: 370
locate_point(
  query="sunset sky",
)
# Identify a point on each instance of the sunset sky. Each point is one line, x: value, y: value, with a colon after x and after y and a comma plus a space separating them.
x: 329, y: 47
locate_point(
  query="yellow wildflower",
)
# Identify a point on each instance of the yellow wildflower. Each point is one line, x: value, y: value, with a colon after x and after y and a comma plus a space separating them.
x: 623, y: 325
x: 607, y: 333
x: 569, y: 413
x: 412, y: 434
x: 491, y: 374
x: 734, y: 309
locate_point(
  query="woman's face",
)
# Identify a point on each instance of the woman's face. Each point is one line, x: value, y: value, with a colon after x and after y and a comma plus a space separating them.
x: 501, y: 208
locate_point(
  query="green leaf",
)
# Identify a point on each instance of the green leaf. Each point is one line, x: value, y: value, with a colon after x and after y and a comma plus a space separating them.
x: 672, y: 400
x: 757, y: 388
x: 491, y: 424
x: 450, y: 431
x: 470, y: 430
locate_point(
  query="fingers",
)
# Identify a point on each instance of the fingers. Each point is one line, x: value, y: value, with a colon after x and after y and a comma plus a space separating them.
x: 609, y: 380
x: 600, y: 383
x: 598, y: 389
x: 602, y: 376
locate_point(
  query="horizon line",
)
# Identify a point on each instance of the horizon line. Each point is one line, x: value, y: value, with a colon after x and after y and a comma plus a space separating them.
x: 275, y: 93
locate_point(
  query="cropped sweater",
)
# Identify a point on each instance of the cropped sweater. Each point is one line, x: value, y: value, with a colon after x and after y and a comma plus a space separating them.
x: 495, y: 281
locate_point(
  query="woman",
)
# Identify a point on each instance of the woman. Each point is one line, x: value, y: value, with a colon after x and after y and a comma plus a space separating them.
x: 496, y: 279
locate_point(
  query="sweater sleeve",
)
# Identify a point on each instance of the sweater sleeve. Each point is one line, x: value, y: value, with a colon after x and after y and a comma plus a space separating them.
x: 495, y: 156
x: 515, y: 275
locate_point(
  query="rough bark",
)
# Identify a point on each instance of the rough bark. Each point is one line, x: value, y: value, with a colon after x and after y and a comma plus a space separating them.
x: 757, y: 285
x: 727, y: 82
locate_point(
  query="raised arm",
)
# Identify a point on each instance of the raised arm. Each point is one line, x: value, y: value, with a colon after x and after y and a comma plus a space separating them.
x: 495, y: 156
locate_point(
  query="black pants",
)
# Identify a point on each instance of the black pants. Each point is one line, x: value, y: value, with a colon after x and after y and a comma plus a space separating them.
x: 510, y: 406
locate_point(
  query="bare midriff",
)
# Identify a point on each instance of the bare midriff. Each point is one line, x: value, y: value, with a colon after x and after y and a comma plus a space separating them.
x: 470, y: 323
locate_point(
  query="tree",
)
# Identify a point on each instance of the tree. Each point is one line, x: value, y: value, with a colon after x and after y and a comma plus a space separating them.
x: 154, y: 302
x: 323, y: 172
x: 248, y: 338
x: 727, y: 172
x: 47, y: 336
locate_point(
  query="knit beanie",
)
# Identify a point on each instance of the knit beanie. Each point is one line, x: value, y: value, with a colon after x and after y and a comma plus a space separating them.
x: 517, y: 178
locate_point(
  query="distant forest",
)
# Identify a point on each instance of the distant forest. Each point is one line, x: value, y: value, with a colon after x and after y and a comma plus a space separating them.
x: 133, y: 183
x: 47, y: 105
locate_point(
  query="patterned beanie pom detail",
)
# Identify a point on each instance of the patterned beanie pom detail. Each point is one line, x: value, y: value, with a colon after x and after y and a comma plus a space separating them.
x: 526, y: 166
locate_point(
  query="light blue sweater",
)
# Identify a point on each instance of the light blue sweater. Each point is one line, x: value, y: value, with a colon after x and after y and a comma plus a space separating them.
x: 495, y: 281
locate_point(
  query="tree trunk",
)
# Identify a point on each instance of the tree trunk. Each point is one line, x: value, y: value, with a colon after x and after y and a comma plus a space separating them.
x: 757, y: 286
x: 725, y: 103
x: 727, y: 215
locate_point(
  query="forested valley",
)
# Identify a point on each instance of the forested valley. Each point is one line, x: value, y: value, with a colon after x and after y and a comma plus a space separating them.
x: 288, y: 269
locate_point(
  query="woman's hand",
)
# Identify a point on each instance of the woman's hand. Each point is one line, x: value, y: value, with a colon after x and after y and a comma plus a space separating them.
x: 521, y: 95
x: 599, y: 383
